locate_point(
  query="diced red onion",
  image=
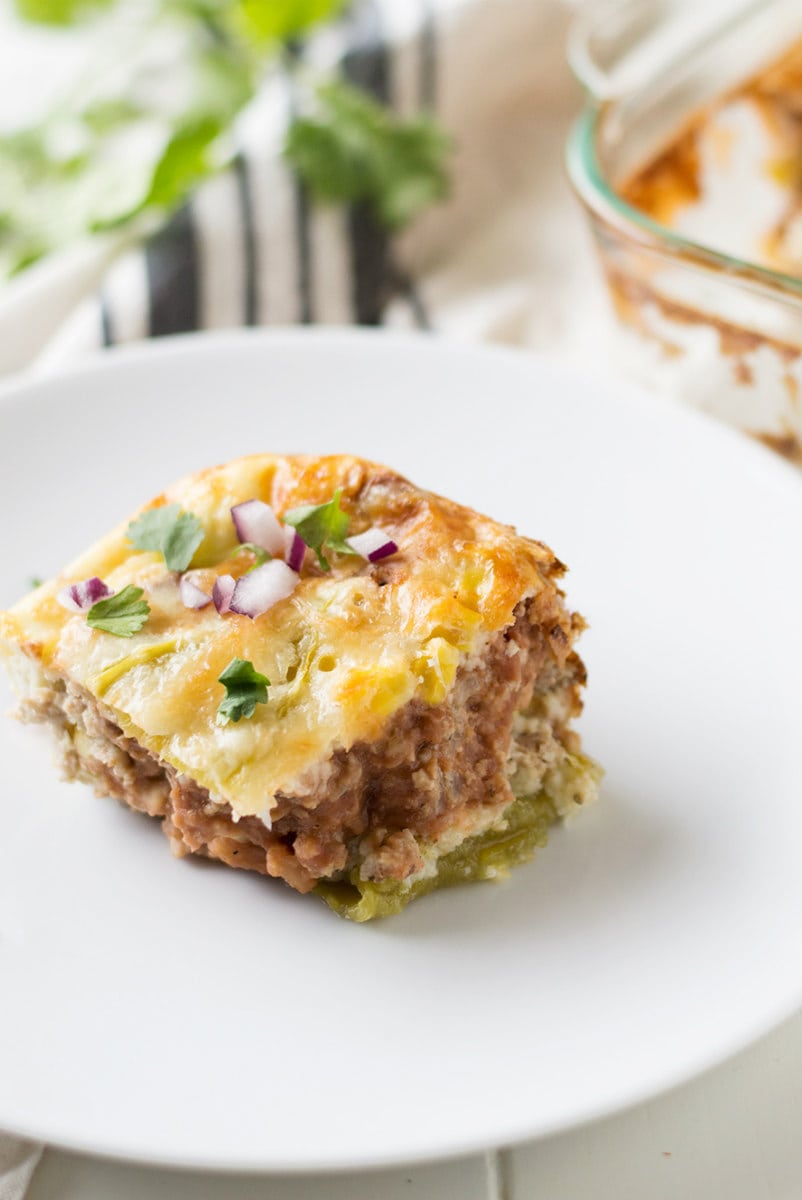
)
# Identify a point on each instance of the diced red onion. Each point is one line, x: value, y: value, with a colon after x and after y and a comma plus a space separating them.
x: 256, y: 522
x: 384, y: 551
x: 374, y: 544
x: 191, y: 595
x: 222, y: 592
x: 295, y: 548
x: 79, y: 597
x: 263, y: 587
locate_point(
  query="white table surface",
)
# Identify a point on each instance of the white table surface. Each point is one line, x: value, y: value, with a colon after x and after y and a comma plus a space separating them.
x: 734, y: 1134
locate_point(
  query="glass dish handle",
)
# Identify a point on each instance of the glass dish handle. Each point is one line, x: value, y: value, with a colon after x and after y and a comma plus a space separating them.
x: 617, y: 46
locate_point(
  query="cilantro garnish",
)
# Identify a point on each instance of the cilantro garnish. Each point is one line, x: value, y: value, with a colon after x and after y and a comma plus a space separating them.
x: 260, y: 554
x: 245, y: 688
x: 122, y: 614
x: 322, y: 525
x: 170, y: 530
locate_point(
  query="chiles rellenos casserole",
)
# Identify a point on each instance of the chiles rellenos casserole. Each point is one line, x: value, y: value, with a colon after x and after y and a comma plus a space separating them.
x: 311, y: 668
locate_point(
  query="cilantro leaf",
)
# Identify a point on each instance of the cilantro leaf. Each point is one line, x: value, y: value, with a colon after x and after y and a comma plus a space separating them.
x: 353, y: 149
x: 260, y: 554
x: 245, y: 688
x: 185, y: 161
x: 57, y: 12
x: 282, y: 22
x: 174, y: 533
x: 111, y: 113
x: 122, y: 614
x: 322, y: 525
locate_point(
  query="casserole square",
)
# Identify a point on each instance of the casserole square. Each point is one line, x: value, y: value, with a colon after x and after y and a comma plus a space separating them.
x: 413, y: 724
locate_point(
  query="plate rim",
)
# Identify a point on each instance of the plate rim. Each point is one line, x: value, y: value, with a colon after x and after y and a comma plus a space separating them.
x: 612, y: 388
x: 15, y: 387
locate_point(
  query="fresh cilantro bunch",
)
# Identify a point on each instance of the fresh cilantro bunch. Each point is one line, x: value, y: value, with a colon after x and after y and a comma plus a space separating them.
x: 129, y: 144
x: 352, y: 149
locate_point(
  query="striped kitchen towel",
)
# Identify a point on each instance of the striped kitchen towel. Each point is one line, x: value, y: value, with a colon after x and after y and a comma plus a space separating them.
x: 250, y: 248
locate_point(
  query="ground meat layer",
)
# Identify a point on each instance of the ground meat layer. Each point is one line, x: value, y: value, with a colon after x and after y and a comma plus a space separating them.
x: 439, y: 773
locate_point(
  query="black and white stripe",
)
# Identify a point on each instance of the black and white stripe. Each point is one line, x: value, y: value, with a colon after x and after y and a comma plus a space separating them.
x: 411, y: 38
x: 250, y: 315
x: 367, y: 65
x: 427, y: 42
x: 427, y: 103
x: 250, y: 248
x: 172, y: 269
x: 106, y: 331
x: 270, y: 197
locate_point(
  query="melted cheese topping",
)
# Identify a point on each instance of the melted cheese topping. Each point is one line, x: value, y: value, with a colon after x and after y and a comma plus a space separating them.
x: 344, y: 652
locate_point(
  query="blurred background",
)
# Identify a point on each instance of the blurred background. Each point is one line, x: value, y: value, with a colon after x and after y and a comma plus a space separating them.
x: 393, y: 162
x: 168, y: 165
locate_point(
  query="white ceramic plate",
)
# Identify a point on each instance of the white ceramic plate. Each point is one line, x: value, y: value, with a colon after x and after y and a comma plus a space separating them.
x: 183, y: 1013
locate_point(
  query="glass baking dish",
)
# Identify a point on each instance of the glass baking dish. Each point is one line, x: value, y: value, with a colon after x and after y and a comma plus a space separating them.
x: 688, y: 161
